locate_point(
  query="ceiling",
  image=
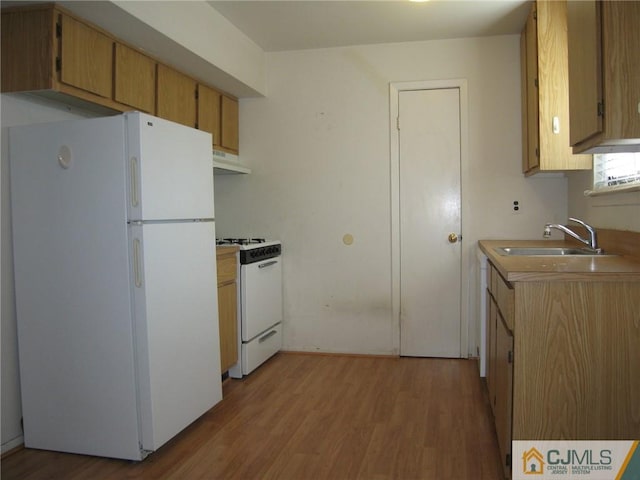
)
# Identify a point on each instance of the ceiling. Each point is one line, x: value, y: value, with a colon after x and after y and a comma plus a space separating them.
x: 307, y: 24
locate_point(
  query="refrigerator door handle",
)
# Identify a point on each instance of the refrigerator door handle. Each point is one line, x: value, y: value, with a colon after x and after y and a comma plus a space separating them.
x: 134, y: 182
x: 137, y: 268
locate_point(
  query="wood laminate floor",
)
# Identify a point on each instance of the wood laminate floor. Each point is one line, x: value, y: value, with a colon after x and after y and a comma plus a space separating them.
x: 317, y: 417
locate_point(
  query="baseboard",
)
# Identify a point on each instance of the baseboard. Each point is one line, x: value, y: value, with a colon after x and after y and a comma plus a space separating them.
x: 12, y: 446
x: 337, y: 354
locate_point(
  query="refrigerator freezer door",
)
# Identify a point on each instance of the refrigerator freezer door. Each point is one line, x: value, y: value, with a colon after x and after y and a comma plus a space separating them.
x: 176, y: 325
x: 170, y: 170
x: 73, y: 299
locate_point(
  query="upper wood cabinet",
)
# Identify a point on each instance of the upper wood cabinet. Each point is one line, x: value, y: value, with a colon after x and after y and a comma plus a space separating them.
x: 176, y: 96
x: 545, y: 98
x: 604, y: 75
x: 48, y: 50
x: 529, y: 79
x: 209, y: 105
x: 229, y: 124
x: 218, y: 115
x: 86, y: 57
x: 135, y: 79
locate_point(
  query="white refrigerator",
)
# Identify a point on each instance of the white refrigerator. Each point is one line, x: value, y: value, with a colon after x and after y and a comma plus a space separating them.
x: 115, y: 276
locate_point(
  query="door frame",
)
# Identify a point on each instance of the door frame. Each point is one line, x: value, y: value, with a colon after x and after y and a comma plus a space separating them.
x: 394, y: 144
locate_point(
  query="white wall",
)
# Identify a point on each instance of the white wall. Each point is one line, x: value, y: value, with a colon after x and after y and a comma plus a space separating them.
x: 318, y: 146
x: 17, y: 109
x: 618, y: 212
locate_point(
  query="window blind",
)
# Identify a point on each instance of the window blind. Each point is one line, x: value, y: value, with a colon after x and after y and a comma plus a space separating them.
x: 613, y: 172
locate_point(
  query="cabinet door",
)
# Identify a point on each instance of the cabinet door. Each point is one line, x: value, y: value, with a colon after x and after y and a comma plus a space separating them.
x: 176, y: 96
x: 229, y: 123
x: 209, y: 102
x: 492, y: 319
x: 227, y: 313
x: 530, y: 44
x: 27, y: 36
x: 621, y: 69
x: 86, y: 57
x: 504, y: 388
x: 585, y: 66
x: 135, y: 79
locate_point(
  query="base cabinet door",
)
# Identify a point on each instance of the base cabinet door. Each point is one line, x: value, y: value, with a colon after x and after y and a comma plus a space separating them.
x: 227, y: 313
x: 504, y: 391
x: 500, y: 297
x: 227, y: 306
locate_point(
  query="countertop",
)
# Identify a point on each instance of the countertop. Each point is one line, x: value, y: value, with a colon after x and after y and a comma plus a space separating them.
x: 226, y: 250
x: 522, y: 268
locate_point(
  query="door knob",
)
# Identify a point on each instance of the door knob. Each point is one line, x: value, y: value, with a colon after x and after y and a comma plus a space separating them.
x: 453, y: 238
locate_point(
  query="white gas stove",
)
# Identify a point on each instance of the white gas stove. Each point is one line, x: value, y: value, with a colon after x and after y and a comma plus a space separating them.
x: 259, y: 301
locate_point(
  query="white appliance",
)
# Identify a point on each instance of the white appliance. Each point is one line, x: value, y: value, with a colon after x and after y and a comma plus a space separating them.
x: 259, y: 302
x: 115, y: 275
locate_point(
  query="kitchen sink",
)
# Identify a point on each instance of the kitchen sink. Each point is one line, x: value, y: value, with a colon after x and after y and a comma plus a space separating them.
x: 548, y: 251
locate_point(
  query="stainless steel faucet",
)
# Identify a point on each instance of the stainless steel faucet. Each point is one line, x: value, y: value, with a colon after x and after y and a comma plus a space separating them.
x: 592, y: 242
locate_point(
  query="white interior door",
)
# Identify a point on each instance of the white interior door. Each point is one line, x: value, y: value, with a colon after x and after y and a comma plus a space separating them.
x: 429, y: 177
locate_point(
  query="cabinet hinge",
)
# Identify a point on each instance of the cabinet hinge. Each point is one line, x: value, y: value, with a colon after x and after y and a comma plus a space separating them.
x: 197, y: 95
x: 58, y: 30
x: 510, y: 357
x: 398, y: 123
x: 601, y: 109
x: 508, y: 460
x: 537, y: 152
x: 58, y: 64
x: 535, y: 82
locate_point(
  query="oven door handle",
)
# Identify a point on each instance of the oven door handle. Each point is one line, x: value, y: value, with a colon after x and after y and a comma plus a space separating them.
x: 267, y: 336
x: 268, y: 264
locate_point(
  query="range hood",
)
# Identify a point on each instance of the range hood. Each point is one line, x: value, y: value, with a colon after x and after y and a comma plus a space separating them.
x: 227, y: 164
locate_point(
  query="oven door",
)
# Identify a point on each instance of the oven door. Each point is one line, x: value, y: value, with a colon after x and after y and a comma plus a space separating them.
x: 261, y: 296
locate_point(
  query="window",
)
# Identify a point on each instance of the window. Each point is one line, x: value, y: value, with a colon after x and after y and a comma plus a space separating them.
x: 613, y: 172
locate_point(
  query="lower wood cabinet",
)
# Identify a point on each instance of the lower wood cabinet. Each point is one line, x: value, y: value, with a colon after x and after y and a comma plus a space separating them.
x: 227, y: 306
x: 500, y: 360
x: 562, y: 359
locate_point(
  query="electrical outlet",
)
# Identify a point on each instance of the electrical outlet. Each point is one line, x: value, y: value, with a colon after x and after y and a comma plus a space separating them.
x: 516, y: 208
